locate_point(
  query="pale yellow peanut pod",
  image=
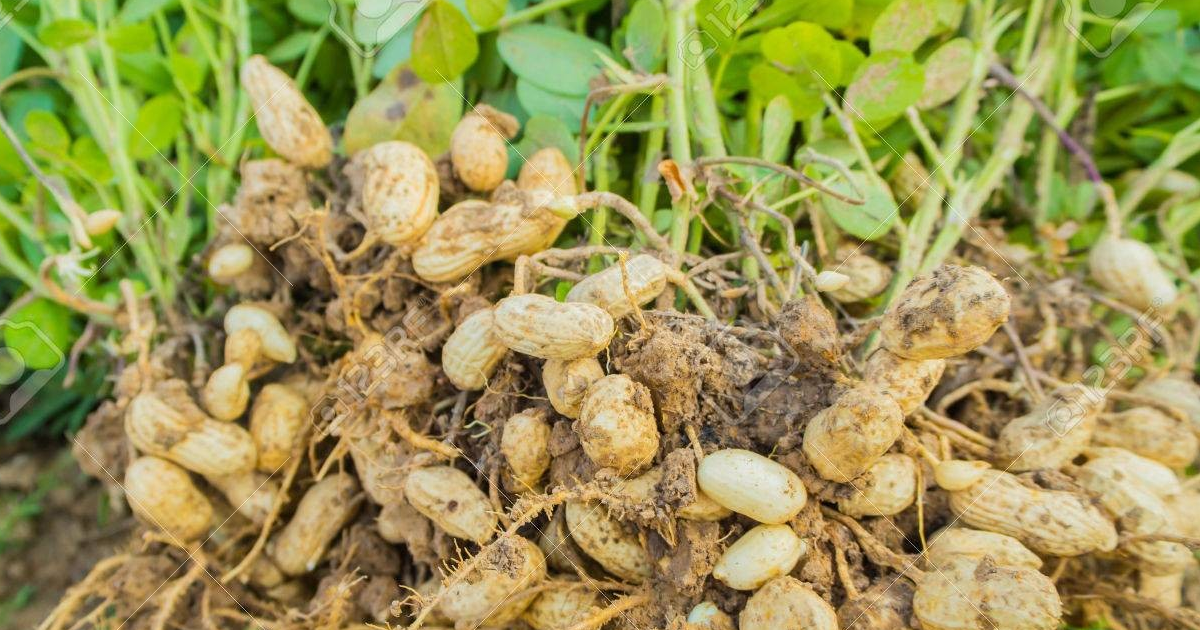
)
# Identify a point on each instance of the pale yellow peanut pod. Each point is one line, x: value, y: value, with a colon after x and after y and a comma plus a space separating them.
x: 1167, y: 589
x: 1176, y: 390
x: 380, y: 467
x: 752, y: 485
x: 969, y: 594
x: 201, y: 445
x: 843, y: 440
x: 964, y: 542
x: 945, y: 313
x: 1051, y: 522
x: 555, y: 542
x: 162, y: 495
x: 867, y: 277
x: 761, y: 554
x: 604, y: 540
x: 286, y: 120
x: 399, y: 191
x: 252, y: 494
x: 644, y: 489
x: 276, y: 418
x: 473, y: 233
x: 324, y: 509
x: 472, y: 352
x: 495, y: 591
x: 644, y: 276
x: 616, y: 425
x: 1130, y: 271
x: 101, y: 221
x: 227, y: 392
x: 887, y: 488
x: 264, y: 573
x: 830, y: 281
x: 448, y: 497
x: 479, y: 147
x: 548, y: 170
x: 908, y: 382
x: 1152, y: 475
x: 525, y: 447
x: 1149, y: 433
x: 1138, y: 511
x: 540, y: 326
x: 1185, y: 511
x: 561, y: 607
x: 957, y: 474
x: 277, y: 344
x: 1052, y: 434
x: 706, y: 616
x: 786, y: 602
x: 566, y: 382
x: 230, y: 261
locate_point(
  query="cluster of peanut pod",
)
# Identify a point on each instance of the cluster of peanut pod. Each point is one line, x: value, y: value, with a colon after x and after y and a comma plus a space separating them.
x: 984, y: 571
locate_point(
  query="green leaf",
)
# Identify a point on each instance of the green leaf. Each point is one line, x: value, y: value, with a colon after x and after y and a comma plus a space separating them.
x: 135, y: 37
x: 767, y: 82
x: 777, y: 126
x: 807, y: 48
x: 377, y: 21
x: 291, y: 48
x: 91, y: 158
x: 138, y: 10
x: 156, y: 126
x: 444, y: 45
x: 884, y: 86
x: 40, y: 333
x: 187, y: 71
x: 565, y: 107
x: 66, y: 32
x: 402, y: 107
x: 904, y: 25
x: 719, y: 21
x: 645, y: 34
x: 828, y: 13
x: 554, y: 59
x: 946, y: 72
x: 852, y: 58
x: 47, y: 132
x: 546, y: 131
x: 1161, y: 58
x: 11, y: 50
x: 870, y: 221
x: 311, y: 12
x: 147, y: 71
x: 949, y: 14
x: 486, y: 12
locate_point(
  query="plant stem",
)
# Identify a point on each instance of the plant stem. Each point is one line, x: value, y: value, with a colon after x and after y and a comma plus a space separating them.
x: 652, y: 147
x: 531, y: 13
x: 599, y: 222
x: 677, y: 115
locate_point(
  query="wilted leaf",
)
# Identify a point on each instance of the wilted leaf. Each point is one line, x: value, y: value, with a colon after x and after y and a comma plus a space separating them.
x: 645, y: 34
x: 554, y: 59
x: 402, y: 107
x: 946, y: 72
x: 444, y: 44
x: 870, y: 221
x: 904, y: 25
x: 884, y: 86
x: 66, y: 32
x: 158, y: 122
x: 808, y: 49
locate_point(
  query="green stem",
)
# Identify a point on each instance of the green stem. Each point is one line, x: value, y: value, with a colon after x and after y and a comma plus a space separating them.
x: 652, y: 148
x: 530, y: 14
x: 599, y: 222
x: 615, y: 109
x: 677, y: 116
x: 310, y: 56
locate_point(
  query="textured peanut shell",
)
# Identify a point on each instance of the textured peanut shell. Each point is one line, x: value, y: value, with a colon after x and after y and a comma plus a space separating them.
x: 644, y: 275
x: 277, y: 344
x: 867, y: 276
x: 843, y: 440
x: 561, y: 607
x: 399, y: 191
x: 1152, y: 475
x: 252, y: 494
x: 1164, y: 589
x: 472, y: 352
x: 524, y: 445
x: 278, y: 415
x: 908, y: 382
x: 163, y: 495
x: 286, y: 120
x: 887, y: 488
x: 945, y: 313
x: 449, y: 498
x: 786, y: 602
x: 964, y: 542
x: 473, y: 233
x: 1149, y: 433
x: 603, y: 539
x: 1129, y: 270
x: 763, y: 553
x: 479, y: 148
x: 752, y: 485
x: 199, y: 444
x: 566, y: 382
x: 495, y: 592
x: 1050, y: 522
x: 643, y: 489
x: 380, y: 467
x: 540, y: 326
x: 968, y: 594
x: 548, y: 170
x: 1177, y: 390
x: 321, y: 513
x: 227, y: 392
x: 1051, y: 435
x: 616, y: 425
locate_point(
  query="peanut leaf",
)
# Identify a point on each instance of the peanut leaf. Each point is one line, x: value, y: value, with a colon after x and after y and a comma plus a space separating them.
x: 444, y: 45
